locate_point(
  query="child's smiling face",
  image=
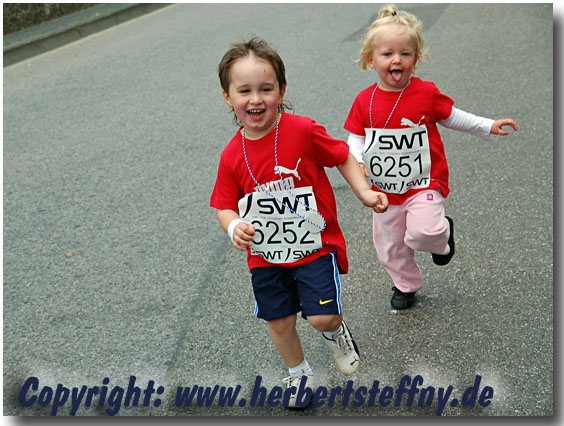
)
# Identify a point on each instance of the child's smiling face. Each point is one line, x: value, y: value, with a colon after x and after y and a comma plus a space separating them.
x: 393, y: 57
x: 254, y: 94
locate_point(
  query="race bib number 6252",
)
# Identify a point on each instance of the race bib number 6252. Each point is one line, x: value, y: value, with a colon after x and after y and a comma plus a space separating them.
x: 280, y: 235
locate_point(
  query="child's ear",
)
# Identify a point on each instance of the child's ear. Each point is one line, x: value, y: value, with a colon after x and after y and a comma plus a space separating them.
x: 227, y: 99
x: 282, y: 93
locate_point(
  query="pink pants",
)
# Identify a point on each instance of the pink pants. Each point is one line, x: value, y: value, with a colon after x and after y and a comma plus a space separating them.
x: 417, y: 224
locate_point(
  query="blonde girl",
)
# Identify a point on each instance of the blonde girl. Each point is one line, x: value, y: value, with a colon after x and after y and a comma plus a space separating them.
x: 394, y: 137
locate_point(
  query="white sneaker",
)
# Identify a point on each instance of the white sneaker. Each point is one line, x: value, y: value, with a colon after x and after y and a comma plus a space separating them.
x: 296, y: 380
x: 345, y: 351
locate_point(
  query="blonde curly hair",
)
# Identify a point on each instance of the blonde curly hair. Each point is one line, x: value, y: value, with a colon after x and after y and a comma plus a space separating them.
x: 390, y: 14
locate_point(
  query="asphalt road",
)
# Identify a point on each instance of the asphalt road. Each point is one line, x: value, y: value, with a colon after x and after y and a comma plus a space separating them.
x: 115, y: 266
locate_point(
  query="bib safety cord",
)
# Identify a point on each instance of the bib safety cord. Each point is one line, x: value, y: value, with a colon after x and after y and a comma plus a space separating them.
x: 315, y: 225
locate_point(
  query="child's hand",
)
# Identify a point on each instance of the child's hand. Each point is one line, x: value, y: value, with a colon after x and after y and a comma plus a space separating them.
x: 243, y: 235
x: 382, y: 202
x: 497, y: 127
x: 378, y: 201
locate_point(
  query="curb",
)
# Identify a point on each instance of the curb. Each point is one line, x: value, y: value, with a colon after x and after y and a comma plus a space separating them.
x: 43, y: 38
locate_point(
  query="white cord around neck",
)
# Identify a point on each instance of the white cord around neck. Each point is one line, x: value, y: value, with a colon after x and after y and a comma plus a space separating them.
x: 263, y: 187
x: 393, y: 109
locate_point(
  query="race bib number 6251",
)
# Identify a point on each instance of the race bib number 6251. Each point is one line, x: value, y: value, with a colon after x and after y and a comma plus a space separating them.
x: 398, y: 159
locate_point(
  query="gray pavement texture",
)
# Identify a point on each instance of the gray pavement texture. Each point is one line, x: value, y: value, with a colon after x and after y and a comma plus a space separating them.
x: 115, y: 266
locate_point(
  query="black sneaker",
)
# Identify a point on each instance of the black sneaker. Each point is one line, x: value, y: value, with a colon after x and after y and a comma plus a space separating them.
x: 401, y: 300
x: 443, y: 259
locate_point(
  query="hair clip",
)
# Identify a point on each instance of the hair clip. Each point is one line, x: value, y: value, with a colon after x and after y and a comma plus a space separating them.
x: 394, y: 13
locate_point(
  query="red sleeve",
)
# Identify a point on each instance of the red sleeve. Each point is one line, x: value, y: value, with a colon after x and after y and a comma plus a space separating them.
x: 226, y: 193
x: 354, y: 122
x: 327, y: 150
x: 442, y: 106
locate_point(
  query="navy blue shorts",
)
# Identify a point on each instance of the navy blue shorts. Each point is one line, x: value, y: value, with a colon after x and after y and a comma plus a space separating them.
x: 313, y: 288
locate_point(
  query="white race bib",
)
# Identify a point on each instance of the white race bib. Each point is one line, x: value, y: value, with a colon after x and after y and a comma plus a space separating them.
x: 398, y: 159
x: 280, y: 235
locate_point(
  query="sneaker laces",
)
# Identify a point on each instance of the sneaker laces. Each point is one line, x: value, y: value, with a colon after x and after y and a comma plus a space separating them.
x: 343, y: 343
x: 294, y: 379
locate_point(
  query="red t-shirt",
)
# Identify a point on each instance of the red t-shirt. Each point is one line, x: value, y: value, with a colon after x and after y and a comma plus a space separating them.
x: 422, y: 103
x: 304, y: 147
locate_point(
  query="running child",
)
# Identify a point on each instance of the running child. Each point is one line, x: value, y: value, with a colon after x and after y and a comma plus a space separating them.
x: 275, y: 200
x: 394, y: 137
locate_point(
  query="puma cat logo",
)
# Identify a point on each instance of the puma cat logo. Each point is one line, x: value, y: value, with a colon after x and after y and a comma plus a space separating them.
x: 409, y: 123
x: 284, y: 170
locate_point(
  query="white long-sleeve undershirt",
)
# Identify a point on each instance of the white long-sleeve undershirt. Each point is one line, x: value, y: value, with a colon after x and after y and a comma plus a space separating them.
x: 458, y: 120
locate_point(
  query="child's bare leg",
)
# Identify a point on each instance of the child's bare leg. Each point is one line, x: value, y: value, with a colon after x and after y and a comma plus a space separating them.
x: 325, y: 322
x: 285, y: 337
x: 339, y: 339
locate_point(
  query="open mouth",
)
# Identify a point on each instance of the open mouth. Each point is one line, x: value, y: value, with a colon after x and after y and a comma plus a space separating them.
x: 256, y: 114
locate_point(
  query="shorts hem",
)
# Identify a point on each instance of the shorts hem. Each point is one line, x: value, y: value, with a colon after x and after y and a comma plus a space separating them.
x: 271, y: 316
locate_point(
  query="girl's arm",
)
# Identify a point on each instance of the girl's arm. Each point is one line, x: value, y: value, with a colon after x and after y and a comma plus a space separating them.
x: 469, y: 123
x: 240, y: 232
x: 378, y: 201
x: 475, y: 125
x: 356, y: 146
